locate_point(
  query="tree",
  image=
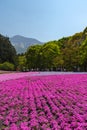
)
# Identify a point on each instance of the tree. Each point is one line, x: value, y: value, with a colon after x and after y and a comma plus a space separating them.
x: 83, y: 56
x: 7, y: 66
x: 71, y: 55
x: 48, y: 53
x: 32, y: 56
x: 21, y: 63
x: 7, y: 51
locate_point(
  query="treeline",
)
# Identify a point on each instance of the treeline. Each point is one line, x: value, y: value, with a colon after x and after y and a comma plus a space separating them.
x: 65, y: 54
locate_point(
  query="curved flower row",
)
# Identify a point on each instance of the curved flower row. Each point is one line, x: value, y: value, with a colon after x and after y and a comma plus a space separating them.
x: 56, y: 102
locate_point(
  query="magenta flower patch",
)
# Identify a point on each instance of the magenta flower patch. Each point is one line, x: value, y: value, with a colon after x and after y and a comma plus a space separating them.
x: 57, y: 102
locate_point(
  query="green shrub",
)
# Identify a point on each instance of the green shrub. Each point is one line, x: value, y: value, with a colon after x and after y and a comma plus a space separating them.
x: 7, y: 66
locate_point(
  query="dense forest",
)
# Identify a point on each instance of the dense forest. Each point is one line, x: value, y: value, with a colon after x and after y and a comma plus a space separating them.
x: 7, y: 54
x: 65, y: 54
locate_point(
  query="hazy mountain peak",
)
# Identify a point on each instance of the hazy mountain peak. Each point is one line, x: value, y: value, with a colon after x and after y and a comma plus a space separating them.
x: 21, y: 43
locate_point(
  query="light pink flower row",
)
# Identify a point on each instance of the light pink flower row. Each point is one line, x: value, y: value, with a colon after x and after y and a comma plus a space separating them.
x: 4, y: 77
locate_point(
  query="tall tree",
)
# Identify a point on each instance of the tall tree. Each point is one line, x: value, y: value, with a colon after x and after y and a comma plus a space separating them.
x: 48, y: 53
x: 32, y: 56
x: 83, y: 55
x: 7, y: 51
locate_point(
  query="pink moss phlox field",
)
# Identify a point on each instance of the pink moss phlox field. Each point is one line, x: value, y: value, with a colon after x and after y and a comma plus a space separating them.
x: 16, y: 75
x: 56, y: 102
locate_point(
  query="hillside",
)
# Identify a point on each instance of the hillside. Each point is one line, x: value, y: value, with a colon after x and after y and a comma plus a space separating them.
x: 21, y: 43
x: 68, y: 54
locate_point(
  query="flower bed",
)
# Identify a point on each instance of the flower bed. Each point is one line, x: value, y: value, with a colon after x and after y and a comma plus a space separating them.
x: 56, y: 102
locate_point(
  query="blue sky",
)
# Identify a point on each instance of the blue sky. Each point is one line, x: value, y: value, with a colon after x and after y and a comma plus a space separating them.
x: 44, y: 20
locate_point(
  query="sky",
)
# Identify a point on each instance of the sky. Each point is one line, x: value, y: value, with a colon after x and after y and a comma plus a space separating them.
x: 44, y: 20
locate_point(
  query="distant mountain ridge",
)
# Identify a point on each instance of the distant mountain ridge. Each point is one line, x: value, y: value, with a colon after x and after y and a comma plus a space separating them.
x: 21, y: 43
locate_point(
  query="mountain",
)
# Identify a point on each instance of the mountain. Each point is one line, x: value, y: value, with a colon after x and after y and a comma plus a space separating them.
x: 21, y: 43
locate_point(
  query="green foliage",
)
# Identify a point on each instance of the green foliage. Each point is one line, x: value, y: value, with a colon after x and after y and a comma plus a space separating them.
x: 21, y: 63
x: 85, y: 31
x: 32, y: 56
x: 7, y: 51
x: 7, y: 66
x: 67, y: 53
x: 83, y: 55
x: 63, y: 42
x: 48, y: 53
x: 41, y: 56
